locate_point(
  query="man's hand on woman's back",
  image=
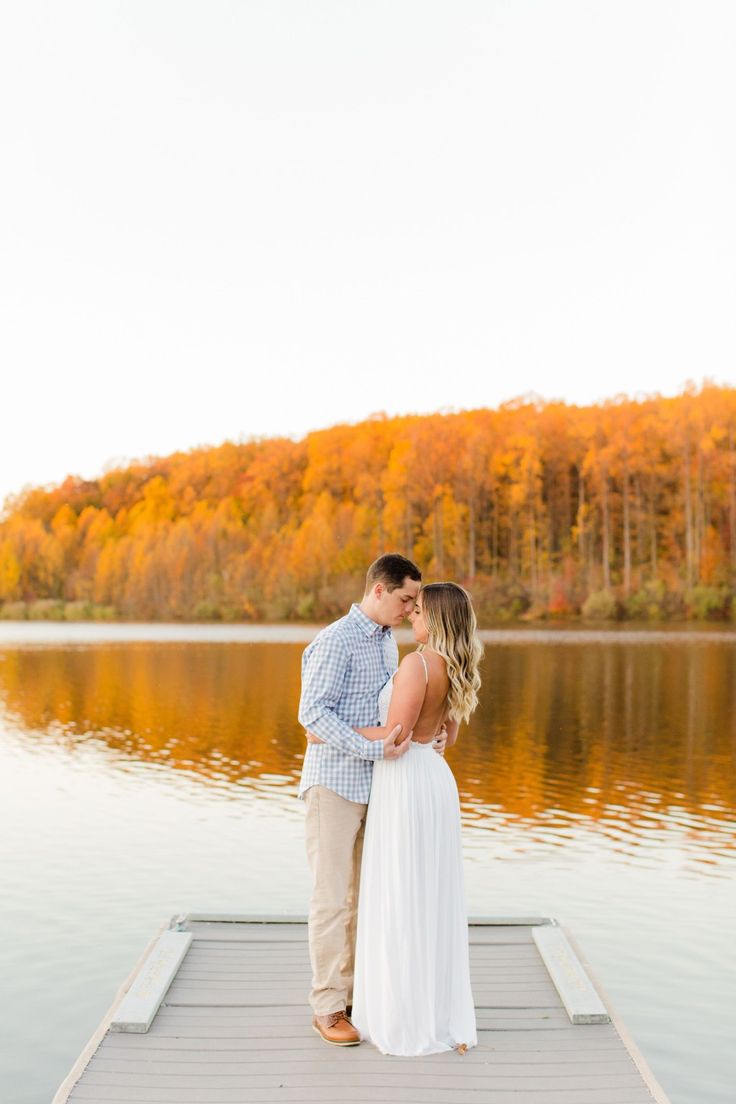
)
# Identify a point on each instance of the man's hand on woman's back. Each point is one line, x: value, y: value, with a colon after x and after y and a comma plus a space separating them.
x: 440, y: 740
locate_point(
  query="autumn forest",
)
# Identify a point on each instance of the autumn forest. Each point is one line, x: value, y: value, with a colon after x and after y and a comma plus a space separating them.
x: 626, y: 509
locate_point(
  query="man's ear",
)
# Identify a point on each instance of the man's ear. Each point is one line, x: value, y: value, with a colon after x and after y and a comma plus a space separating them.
x: 378, y: 590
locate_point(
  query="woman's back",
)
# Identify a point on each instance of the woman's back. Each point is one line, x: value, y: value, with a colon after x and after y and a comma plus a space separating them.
x: 434, y: 706
x: 416, y: 697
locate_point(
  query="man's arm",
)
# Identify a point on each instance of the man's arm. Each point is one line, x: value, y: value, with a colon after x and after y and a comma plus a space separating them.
x: 323, y: 678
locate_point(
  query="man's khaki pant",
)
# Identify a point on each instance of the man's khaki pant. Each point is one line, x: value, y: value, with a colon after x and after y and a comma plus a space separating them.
x: 334, y: 831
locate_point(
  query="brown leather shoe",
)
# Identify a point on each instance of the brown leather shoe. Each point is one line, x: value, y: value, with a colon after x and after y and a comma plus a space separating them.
x: 336, y: 1028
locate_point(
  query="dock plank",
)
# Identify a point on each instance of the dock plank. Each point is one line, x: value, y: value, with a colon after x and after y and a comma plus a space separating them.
x: 293, y: 1021
x: 107, y: 1094
x: 300, y: 1061
x: 512, y: 1041
x: 204, y: 931
x: 356, y: 1079
x: 242, y: 996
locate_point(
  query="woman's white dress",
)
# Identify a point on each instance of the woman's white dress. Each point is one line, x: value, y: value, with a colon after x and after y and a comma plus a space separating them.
x: 412, y: 991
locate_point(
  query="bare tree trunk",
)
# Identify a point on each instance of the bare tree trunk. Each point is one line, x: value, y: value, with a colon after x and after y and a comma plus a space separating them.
x: 494, y: 536
x: 700, y: 509
x: 581, y: 522
x: 532, y: 548
x: 605, y: 553
x: 652, y: 529
x: 438, y: 543
x: 512, y: 547
x: 471, y: 539
x: 627, y: 534
x: 638, y: 512
x: 688, y: 524
x: 732, y: 499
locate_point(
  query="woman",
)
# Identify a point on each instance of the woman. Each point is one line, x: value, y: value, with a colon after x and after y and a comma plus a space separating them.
x: 412, y: 990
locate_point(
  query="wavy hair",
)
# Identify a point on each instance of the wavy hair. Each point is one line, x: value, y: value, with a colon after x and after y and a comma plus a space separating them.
x: 451, y: 628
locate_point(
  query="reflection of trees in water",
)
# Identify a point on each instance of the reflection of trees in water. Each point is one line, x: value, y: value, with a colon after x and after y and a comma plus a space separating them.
x: 604, y: 732
x: 587, y: 726
x: 224, y: 710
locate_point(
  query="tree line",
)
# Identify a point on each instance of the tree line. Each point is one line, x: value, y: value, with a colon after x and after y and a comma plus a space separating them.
x: 625, y: 508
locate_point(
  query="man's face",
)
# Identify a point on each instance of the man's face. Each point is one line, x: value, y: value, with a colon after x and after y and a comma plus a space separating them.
x: 395, y: 605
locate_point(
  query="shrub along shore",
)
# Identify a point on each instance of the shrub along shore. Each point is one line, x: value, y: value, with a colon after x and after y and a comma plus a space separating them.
x: 652, y: 603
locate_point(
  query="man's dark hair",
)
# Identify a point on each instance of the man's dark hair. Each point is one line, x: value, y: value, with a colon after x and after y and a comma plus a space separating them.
x: 391, y: 569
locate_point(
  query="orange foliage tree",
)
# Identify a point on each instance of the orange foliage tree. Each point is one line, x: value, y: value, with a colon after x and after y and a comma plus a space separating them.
x: 541, y: 509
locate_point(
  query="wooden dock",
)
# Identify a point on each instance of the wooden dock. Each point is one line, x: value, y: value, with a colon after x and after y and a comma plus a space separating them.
x: 215, y: 1012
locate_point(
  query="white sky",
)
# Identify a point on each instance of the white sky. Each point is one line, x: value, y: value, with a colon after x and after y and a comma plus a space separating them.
x: 224, y: 219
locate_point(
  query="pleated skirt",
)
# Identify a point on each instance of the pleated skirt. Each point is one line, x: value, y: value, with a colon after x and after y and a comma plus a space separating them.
x: 412, y: 991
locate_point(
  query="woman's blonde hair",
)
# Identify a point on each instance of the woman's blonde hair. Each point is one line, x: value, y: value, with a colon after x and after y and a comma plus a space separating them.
x: 451, y: 627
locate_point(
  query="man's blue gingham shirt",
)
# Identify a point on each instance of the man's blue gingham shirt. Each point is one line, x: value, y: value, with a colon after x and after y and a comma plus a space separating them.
x: 343, y: 670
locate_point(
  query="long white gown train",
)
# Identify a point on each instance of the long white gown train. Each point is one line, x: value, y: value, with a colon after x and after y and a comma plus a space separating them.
x: 412, y: 991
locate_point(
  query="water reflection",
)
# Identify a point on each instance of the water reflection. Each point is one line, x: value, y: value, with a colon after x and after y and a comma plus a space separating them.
x: 629, y: 749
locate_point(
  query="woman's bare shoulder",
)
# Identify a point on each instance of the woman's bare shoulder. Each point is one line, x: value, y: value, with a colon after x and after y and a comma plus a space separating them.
x: 434, y: 660
x: 437, y: 668
x: 412, y: 665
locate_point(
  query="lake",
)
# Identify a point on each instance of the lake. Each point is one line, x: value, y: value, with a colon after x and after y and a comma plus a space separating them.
x: 152, y: 769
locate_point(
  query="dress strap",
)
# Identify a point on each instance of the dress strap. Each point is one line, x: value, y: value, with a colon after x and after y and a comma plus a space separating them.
x: 426, y: 669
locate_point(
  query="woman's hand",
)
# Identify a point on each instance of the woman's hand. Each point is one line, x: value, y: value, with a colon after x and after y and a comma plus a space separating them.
x: 312, y: 739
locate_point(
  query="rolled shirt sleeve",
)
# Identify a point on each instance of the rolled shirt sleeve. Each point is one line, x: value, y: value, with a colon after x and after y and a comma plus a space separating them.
x: 323, y: 675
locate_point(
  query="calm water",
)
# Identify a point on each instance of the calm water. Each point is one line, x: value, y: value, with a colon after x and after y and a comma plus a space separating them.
x: 144, y: 777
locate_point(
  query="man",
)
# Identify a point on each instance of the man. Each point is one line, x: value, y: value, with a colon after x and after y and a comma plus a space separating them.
x: 343, y: 670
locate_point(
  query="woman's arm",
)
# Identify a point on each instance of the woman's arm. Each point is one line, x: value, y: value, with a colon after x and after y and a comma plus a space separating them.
x: 410, y: 688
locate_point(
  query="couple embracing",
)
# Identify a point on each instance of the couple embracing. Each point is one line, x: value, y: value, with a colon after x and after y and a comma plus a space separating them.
x: 388, y: 927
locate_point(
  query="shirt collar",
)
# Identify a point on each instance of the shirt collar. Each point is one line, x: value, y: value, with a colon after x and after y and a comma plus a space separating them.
x: 367, y: 624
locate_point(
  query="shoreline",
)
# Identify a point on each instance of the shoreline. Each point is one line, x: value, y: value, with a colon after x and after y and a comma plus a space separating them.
x: 197, y: 632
